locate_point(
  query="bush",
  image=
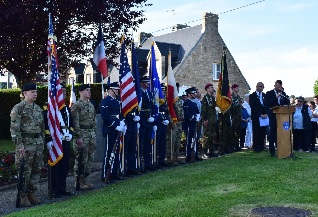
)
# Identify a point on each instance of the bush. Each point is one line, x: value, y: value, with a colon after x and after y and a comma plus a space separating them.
x: 8, y: 171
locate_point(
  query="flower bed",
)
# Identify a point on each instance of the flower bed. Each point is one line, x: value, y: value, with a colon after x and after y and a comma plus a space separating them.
x: 8, y: 171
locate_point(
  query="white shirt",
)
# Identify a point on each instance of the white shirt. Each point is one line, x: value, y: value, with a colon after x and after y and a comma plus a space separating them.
x: 315, y: 112
x: 298, y: 118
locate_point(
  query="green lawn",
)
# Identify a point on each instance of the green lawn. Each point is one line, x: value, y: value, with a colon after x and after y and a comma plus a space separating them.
x: 7, y: 145
x: 225, y: 186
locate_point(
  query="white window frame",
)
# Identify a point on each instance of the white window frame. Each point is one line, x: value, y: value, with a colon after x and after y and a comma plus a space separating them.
x: 216, y: 71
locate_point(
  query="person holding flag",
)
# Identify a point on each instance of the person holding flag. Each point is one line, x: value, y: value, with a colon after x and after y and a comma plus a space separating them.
x: 146, y: 125
x: 60, y: 170
x: 162, y: 123
x: 191, y: 117
x: 130, y: 112
x: 223, y: 102
x: 113, y: 126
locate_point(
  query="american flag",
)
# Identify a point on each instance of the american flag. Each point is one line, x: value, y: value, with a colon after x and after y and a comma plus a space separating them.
x: 127, y: 87
x: 55, y: 102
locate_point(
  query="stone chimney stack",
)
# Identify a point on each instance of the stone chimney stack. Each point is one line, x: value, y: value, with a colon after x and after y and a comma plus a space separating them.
x: 210, y: 22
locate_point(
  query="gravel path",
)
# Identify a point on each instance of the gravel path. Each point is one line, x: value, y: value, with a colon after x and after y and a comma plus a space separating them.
x: 9, y: 193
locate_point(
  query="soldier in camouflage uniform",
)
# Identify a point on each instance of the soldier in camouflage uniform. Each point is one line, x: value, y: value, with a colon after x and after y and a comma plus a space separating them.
x: 174, y: 134
x: 27, y: 131
x: 84, y: 116
x: 236, y: 116
x: 224, y: 120
x: 209, y: 120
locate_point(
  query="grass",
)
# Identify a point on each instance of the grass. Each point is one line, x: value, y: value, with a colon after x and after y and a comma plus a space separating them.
x: 7, y: 145
x: 226, y: 186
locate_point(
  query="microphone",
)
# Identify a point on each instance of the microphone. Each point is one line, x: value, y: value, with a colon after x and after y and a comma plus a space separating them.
x: 287, y: 97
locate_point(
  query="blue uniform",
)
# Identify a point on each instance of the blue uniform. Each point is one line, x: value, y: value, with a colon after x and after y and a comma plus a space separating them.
x: 109, y: 109
x: 190, y: 111
x: 60, y: 170
x: 161, y: 136
x: 146, y: 128
x: 131, y: 142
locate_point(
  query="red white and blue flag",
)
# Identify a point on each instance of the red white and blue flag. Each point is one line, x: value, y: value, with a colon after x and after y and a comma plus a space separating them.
x: 73, y: 95
x: 99, y: 57
x: 55, y: 101
x: 127, y: 86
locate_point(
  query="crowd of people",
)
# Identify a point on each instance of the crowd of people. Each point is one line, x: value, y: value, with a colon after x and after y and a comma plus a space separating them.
x: 144, y: 140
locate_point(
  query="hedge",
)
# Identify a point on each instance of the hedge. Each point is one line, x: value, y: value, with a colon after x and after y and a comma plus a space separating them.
x: 10, y: 97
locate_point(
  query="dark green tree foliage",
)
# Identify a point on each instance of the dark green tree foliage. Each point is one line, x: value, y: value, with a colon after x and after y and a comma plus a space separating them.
x: 24, y: 24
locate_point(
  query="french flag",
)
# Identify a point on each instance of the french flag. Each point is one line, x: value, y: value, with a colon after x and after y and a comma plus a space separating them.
x: 99, y: 57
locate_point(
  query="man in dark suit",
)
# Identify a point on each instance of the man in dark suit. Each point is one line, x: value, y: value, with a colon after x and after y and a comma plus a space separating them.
x: 258, y: 110
x: 273, y: 98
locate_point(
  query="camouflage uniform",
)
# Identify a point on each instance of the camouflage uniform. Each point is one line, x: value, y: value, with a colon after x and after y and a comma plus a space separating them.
x: 176, y: 132
x: 27, y: 130
x: 236, y: 116
x: 84, y: 116
x: 208, y: 114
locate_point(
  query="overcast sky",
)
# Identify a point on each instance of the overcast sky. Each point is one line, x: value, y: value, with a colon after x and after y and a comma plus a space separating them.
x: 270, y: 40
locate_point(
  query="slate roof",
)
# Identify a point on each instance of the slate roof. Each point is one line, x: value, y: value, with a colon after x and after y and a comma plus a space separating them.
x: 187, y: 38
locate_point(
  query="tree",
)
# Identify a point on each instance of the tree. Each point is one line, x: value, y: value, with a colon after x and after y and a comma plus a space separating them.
x: 24, y: 31
x: 316, y: 87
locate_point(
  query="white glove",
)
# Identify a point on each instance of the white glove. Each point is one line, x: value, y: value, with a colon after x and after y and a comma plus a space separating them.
x: 151, y: 119
x: 136, y: 118
x: 68, y: 137
x: 122, y: 123
x: 165, y: 122
x: 120, y: 128
x: 197, y: 118
x: 124, y: 129
x: 138, y: 125
x: 154, y: 128
x: 49, y: 145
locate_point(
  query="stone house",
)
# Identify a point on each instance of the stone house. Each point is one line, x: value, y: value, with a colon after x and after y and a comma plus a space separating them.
x: 196, y: 55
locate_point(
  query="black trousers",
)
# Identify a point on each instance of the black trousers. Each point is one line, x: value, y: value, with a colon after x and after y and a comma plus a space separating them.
x: 259, y: 134
x: 60, y: 170
x: 313, y: 135
x: 301, y: 139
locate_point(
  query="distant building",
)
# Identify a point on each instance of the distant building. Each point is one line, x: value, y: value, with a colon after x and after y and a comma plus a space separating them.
x: 8, y: 82
x: 196, y: 55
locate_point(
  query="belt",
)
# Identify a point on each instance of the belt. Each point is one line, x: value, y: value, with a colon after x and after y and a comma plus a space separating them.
x: 86, y: 127
x: 145, y: 110
x: 114, y: 116
x: 30, y: 135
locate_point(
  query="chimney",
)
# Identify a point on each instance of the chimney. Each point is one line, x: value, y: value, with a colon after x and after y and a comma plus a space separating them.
x: 209, y: 22
x: 142, y: 37
x: 179, y: 26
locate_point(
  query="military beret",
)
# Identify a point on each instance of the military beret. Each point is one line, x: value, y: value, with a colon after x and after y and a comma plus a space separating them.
x: 292, y: 96
x: 208, y: 85
x: 145, y: 79
x: 234, y: 86
x: 63, y: 85
x: 191, y: 90
x: 29, y: 86
x: 114, y: 85
x: 163, y: 86
x: 83, y: 87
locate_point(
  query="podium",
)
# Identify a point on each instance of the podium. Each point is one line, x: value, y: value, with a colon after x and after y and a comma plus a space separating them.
x: 284, y: 130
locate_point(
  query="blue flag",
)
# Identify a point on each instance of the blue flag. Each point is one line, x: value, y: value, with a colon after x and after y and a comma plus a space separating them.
x: 155, y: 87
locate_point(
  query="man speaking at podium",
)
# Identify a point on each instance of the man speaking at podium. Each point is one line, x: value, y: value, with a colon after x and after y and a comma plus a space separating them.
x: 273, y: 98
